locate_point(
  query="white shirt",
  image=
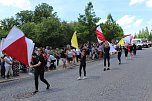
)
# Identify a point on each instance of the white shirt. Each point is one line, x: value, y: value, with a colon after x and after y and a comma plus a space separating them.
x: 8, y: 59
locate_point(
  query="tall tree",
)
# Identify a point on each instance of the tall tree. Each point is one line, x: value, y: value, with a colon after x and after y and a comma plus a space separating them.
x: 87, y: 24
x: 111, y: 30
x: 24, y: 17
x: 43, y: 11
x: 8, y: 23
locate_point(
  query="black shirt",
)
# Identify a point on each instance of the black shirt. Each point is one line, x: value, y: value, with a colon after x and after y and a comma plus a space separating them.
x: 106, y: 51
x: 36, y: 60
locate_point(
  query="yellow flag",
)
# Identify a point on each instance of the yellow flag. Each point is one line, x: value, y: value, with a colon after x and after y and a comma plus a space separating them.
x: 121, y: 42
x: 74, y: 41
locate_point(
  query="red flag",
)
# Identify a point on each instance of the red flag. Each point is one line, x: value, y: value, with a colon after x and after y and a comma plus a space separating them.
x: 100, y: 35
x: 18, y: 46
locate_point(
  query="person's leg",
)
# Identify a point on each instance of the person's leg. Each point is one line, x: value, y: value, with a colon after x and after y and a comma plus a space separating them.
x: 36, y: 75
x: 119, y: 57
x: 44, y: 80
x: 108, y: 59
x: 104, y: 63
x: 6, y: 71
x: 84, y: 70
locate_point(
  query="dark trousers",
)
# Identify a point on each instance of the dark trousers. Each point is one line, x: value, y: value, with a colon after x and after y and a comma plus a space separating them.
x: 58, y: 61
x: 134, y: 52
x: 52, y: 66
x: 38, y: 73
x: 2, y: 70
x: 107, y: 58
x: 77, y: 58
x: 84, y: 69
x: 119, y: 57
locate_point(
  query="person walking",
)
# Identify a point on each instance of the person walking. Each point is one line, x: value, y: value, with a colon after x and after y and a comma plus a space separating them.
x: 126, y: 51
x: 119, y: 51
x: 82, y: 64
x: 38, y: 65
x: 106, y: 55
x: 134, y: 48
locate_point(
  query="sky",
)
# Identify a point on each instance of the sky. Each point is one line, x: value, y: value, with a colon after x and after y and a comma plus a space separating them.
x: 131, y: 15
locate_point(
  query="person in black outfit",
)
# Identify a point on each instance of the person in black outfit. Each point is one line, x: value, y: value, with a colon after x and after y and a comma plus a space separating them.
x: 3, y: 67
x: 119, y: 50
x: 82, y: 64
x: 38, y: 65
x: 106, y: 51
x: 126, y: 52
x: 134, y: 49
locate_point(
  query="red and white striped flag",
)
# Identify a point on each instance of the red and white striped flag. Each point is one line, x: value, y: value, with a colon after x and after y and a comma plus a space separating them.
x: 128, y: 38
x: 18, y: 46
x: 99, y: 34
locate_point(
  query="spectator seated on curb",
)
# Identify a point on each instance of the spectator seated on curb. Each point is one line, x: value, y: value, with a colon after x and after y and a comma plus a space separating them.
x: 52, y: 61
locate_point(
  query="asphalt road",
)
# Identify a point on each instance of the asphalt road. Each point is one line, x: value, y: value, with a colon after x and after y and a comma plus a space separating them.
x: 130, y: 81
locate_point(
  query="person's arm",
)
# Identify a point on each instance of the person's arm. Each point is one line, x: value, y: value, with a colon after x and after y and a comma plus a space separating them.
x: 6, y: 60
x: 36, y: 65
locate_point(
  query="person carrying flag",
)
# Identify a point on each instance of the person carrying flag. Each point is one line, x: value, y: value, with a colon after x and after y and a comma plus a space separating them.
x: 38, y: 65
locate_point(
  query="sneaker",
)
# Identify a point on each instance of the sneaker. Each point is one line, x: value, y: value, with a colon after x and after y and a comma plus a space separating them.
x: 35, y: 91
x: 104, y: 69
x: 84, y: 77
x: 79, y: 78
x: 108, y: 68
x: 48, y: 86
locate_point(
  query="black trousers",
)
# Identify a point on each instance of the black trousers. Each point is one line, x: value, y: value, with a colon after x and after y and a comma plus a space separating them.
x: 84, y: 69
x: 2, y: 70
x: 77, y: 58
x: 107, y: 58
x: 119, y: 57
x: 134, y: 52
x: 40, y: 73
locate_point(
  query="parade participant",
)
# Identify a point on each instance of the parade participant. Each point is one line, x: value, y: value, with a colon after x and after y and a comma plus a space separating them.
x: 82, y: 64
x: 130, y: 48
x: 38, y: 65
x: 126, y: 51
x: 106, y: 50
x: 119, y: 51
x: 134, y: 48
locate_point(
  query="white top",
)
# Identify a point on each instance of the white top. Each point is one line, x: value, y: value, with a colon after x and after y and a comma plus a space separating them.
x: 78, y: 51
x: 8, y: 59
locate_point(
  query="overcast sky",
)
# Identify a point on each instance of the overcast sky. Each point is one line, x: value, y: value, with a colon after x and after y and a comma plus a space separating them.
x: 131, y: 15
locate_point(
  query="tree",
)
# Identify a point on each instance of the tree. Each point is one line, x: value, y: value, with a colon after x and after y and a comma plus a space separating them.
x: 87, y: 24
x: 24, y: 17
x: 8, y: 23
x: 43, y: 11
x: 111, y: 30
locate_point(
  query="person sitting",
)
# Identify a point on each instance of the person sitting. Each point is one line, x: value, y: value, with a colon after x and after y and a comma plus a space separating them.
x: 52, y: 61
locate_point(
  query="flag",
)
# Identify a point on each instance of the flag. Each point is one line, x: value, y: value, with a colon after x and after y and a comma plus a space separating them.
x: 121, y: 42
x: 128, y: 38
x: 18, y: 46
x: 1, y: 45
x: 112, y: 49
x: 99, y: 34
x: 74, y: 41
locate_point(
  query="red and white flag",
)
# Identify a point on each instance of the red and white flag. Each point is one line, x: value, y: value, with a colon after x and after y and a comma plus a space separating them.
x: 100, y: 35
x: 128, y: 38
x: 18, y: 46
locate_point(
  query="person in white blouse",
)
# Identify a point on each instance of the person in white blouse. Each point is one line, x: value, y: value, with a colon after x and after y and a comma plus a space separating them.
x: 8, y: 65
